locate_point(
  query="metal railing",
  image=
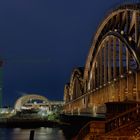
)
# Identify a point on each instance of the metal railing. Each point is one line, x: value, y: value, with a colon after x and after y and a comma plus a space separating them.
x: 122, y: 119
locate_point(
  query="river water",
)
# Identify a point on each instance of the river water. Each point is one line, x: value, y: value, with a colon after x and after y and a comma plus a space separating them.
x: 42, y: 133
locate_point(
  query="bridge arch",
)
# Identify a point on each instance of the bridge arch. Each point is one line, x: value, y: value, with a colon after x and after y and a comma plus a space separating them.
x: 112, y: 68
x: 76, y: 83
x: 25, y: 99
x: 66, y: 93
x: 122, y: 23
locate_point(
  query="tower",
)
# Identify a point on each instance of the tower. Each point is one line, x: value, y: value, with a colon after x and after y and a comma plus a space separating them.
x: 1, y: 83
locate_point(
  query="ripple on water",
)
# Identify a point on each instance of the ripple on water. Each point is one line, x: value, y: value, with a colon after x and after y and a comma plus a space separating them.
x: 23, y: 134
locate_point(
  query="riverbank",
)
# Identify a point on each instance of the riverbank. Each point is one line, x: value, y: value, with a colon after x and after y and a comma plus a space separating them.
x: 30, y: 123
x: 70, y: 124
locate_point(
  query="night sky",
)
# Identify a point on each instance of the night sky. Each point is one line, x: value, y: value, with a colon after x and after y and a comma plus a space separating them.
x: 42, y: 41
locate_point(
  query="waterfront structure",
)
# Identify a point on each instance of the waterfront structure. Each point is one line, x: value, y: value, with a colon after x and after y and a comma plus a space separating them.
x: 36, y: 102
x: 31, y: 110
x: 109, y: 83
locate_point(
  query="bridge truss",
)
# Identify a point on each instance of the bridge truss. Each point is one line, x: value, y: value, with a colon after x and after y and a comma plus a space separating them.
x: 112, y: 69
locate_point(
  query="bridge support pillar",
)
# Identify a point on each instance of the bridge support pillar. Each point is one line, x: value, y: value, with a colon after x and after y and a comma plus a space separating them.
x: 101, y: 70
x: 114, y: 58
x: 123, y: 86
x: 105, y: 65
x: 130, y: 86
x: 120, y: 58
x: 109, y: 61
x: 138, y: 86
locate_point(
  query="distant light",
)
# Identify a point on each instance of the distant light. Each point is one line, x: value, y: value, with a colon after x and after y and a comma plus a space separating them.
x: 130, y: 38
x: 43, y: 108
x: 24, y: 107
x: 43, y: 114
x: 113, y: 97
x: 2, y: 112
x: 13, y: 111
x: 115, y: 30
x: 130, y: 71
x: 35, y: 102
x: 115, y: 79
x: 122, y: 76
x: 89, y: 86
x: 122, y: 32
x: 94, y: 110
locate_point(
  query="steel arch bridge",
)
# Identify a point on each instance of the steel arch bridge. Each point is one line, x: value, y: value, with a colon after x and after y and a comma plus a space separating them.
x: 112, y: 69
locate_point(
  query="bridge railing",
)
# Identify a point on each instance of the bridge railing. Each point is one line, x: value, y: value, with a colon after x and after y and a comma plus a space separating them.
x: 91, y: 130
x: 123, y: 119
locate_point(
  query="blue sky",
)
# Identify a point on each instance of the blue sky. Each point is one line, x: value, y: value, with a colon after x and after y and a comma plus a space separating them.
x: 42, y: 41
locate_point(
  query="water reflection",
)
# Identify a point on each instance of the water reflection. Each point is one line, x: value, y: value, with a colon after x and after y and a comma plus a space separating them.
x: 49, y: 134
x: 23, y: 134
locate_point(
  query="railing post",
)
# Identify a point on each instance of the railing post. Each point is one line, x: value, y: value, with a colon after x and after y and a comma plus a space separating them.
x: 32, y: 135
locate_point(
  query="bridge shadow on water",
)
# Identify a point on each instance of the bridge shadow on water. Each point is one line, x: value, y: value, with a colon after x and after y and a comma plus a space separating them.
x: 69, y: 125
x: 75, y: 123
